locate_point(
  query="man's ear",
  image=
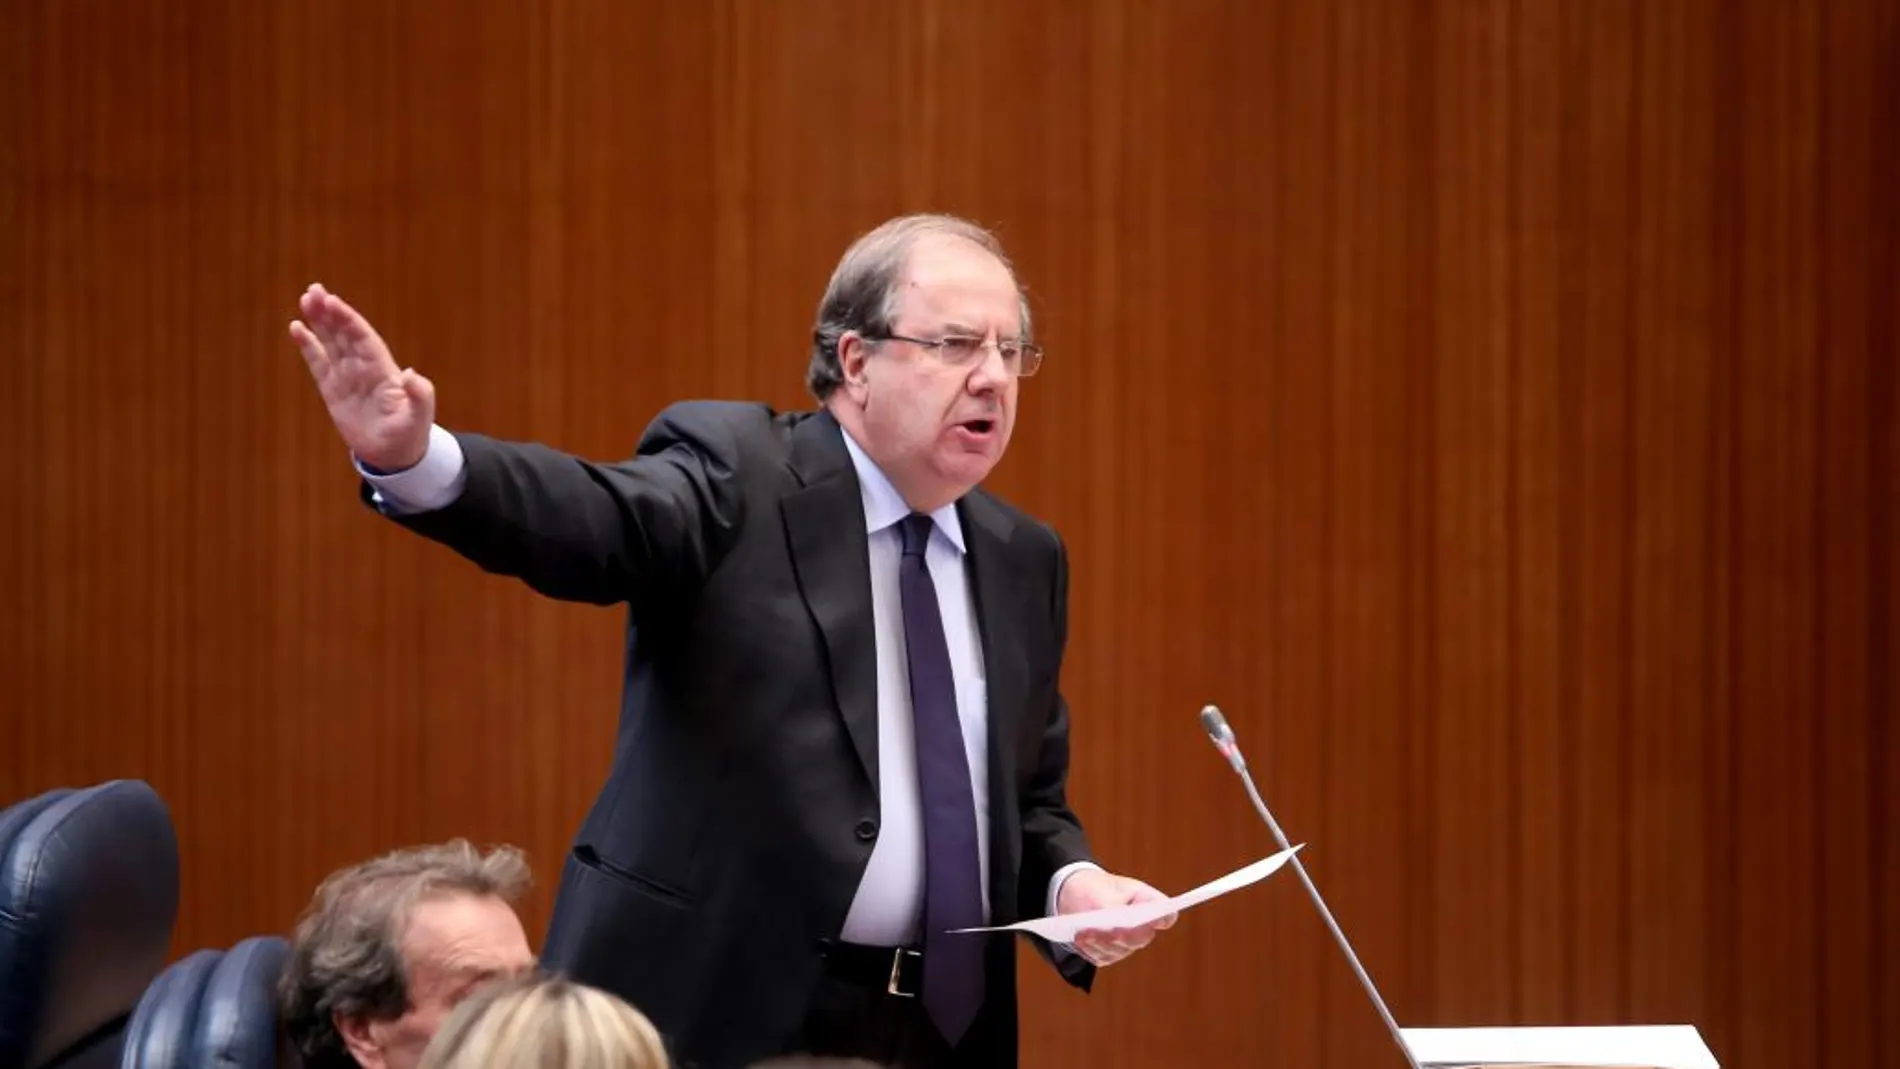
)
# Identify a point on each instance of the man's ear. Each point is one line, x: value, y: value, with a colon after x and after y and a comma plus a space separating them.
x: 358, y: 1041
x: 853, y: 351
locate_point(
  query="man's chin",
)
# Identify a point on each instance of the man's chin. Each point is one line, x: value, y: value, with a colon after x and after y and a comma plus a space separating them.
x: 966, y: 469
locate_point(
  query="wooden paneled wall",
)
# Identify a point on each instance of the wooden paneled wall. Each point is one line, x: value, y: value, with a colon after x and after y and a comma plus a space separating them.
x: 1490, y: 404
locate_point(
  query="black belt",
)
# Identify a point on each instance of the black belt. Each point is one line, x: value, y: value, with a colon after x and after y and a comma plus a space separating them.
x: 894, y: 970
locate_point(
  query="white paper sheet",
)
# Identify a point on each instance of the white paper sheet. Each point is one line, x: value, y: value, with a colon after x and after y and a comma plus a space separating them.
x: 1063, y: 929
x: 1663, y: 1046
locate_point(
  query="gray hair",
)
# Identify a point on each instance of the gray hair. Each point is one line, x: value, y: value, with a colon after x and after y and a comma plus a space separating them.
x: 346, y: 952
x: 863, y: 292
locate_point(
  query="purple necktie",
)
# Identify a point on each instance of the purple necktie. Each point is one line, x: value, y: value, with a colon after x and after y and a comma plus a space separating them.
x: 953, y: 894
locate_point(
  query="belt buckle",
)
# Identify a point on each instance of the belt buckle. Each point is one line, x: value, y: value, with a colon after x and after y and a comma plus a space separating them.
x: 896, y: 985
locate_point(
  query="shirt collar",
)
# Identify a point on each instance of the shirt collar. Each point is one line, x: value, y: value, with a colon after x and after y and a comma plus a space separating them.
x: 884, y: 506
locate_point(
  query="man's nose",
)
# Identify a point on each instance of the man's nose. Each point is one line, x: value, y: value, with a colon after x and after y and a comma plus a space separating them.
x: 991, y: 371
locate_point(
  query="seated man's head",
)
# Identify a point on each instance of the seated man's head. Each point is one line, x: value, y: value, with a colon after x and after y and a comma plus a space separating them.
x: 388, y: 947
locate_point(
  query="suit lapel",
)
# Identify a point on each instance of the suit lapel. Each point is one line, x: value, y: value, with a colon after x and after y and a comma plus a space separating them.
x: 824, y: 524
x: 1000, y: 592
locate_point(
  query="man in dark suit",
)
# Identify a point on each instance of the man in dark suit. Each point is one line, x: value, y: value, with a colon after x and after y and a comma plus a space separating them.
x: 842, y: 736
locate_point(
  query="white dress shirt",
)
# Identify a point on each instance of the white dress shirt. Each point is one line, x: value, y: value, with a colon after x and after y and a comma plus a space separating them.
x: 888, y: 907
x: 889, y: 903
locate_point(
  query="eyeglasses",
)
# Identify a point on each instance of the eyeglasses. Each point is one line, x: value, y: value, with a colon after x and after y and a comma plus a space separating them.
x: 961, y: 350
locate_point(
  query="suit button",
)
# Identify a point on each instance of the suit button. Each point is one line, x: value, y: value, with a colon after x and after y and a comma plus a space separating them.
x: 867, y: 829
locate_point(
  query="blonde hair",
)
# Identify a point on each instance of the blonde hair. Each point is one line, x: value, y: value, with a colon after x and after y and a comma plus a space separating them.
x: 540, y: 1022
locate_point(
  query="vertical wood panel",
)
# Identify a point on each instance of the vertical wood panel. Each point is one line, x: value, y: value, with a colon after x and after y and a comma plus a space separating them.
x: 1490, y: 404
x: 1542, y: 528
x: 1885, y: 706
x: 1722, y: 571
x: 1359, y: 847
x: 1606, y: 56
x: 1305, y: 489
x: 1846, y: 461
x: 1882, y: 314
x: 1671, y: 292
x: 1472, y: 505
x: 1775, y: 633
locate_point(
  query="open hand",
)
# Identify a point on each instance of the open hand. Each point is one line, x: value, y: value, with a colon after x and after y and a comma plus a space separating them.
x: 383, y: 412
x: 1091, y: 889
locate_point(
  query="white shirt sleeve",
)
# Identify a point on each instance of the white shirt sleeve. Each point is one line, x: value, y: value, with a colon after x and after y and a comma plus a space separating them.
x: 434, y: 482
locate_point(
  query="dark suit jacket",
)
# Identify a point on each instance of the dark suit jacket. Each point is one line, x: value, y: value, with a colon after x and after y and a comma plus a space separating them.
x: 731, y: 834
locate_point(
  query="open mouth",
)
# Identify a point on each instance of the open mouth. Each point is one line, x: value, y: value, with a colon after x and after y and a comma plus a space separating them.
x: 978, y: 426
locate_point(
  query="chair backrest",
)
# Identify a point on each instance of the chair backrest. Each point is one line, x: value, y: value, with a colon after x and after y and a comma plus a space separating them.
x: 88, y: 899
x: 212, y: 1009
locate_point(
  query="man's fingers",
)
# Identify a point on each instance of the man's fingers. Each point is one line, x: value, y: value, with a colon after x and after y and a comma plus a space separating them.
x: 311, y: 304
x: 354, y: 351
x: 344, y: 331
x: 1111, y: 945
x: 350, y: 326
x: 1106, y: 946
x: 314, y: 355
x: 322, y: 322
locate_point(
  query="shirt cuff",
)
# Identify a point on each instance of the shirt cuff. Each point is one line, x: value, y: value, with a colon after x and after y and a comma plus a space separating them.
x: 1055, y: 895
x: 1062, y: 876
x: 434, y: 482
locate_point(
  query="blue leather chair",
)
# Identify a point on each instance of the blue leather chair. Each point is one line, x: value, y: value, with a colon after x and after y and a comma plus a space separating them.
x: 88, y: 899
x: 212, y: 1009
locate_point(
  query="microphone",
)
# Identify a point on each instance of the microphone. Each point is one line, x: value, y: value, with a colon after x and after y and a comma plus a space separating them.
x: 1216, y: 727
x: 1222, y: 737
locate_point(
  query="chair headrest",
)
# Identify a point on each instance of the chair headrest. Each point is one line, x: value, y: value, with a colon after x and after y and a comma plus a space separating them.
x: 160, y: 1034
x: 238, y: 1026
x: 15, y: 818
x: 211, y: 1010
x: 88, y: 898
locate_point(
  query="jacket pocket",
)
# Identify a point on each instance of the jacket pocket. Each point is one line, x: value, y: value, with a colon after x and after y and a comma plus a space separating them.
x: 588, y: 857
